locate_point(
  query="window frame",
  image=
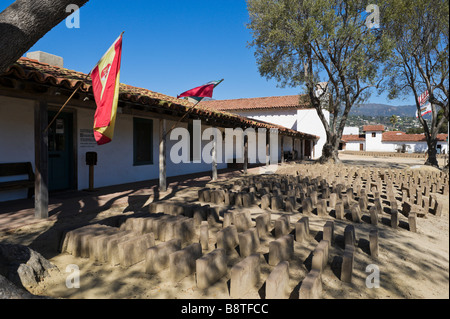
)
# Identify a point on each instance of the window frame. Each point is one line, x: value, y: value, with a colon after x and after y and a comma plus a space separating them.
x: 140, y: 120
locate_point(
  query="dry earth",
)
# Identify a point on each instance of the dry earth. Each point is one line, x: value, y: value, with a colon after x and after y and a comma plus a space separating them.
x: 411, y: 265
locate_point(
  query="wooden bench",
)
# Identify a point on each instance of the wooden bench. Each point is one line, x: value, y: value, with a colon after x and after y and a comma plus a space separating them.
x: 17, y: 169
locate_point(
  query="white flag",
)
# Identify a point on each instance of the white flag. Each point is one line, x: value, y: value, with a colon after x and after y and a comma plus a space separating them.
x: 424, y: 110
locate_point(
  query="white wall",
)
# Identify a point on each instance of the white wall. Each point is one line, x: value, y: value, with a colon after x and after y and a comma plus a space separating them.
x: 286, y: 118
x: 304, y: 120
x: 351, y: 130
x: 16, y: 138
x: 411, y: 147
x: 115, y: 159
x: 309, y: 122
x: 373, y: 144
x: 353, y: 146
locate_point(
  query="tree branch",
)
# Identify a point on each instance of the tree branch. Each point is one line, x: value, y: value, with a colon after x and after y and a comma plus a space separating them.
x: 24, y: 22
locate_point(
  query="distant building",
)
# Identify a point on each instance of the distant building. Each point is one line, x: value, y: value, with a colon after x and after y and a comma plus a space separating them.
x: 375, y: 139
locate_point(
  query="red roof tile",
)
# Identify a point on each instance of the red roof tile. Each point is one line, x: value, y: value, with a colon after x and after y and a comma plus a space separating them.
x: 398, y: 136
x: 373, y: 128
x: 30, y: 69
x: 273, y: 102
x: 353, y: 138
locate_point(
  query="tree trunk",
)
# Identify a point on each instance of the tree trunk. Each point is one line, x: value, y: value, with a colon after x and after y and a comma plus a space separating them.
x: 330, y: 150
x: 24, y: 22
x: 432, y: 158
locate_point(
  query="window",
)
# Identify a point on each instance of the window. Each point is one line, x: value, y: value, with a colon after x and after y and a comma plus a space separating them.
x: 142, y: 141
x: 374, y: 134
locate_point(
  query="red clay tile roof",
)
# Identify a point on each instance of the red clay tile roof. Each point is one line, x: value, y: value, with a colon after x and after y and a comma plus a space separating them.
x: 29, y: 69
x: 398, y: 136
x: 43, y: 73
x: 273, y: 102
x: 373, y: 128
x: 353, y: 138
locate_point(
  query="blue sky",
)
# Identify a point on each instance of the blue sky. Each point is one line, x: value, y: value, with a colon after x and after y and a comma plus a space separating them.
x: 170, y: 46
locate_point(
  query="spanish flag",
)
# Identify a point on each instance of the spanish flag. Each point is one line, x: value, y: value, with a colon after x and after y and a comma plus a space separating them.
x: 105, y: 83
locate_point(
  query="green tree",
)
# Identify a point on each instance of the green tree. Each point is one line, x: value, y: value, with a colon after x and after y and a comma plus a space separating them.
x: 324, y: 47
x: 444, y: 127
x: 420, y: 31
x: 24, y: 22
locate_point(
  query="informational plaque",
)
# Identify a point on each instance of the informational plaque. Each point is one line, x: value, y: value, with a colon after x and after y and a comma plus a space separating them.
x: 87, y: 139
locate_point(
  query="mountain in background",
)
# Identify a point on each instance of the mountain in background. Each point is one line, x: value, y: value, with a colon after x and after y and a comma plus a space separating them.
x: 373, y: 109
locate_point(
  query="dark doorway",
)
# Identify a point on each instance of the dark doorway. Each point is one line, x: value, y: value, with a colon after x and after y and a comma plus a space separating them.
x: 60, y: 152
x: 308, y: 149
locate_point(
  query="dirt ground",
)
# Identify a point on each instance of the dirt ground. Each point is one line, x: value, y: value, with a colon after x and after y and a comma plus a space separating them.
x: 411, y: 265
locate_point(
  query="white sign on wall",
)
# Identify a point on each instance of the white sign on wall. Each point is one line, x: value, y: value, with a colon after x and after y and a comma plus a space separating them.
x: 87, y: 139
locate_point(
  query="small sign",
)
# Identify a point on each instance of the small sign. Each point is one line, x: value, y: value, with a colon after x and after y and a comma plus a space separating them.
x: 59, y: 126
x: 87, y: 138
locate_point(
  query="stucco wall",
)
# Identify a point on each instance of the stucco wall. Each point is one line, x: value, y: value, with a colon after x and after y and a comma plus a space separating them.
x: 309, y: 122
x: 16, y: 138
x: 286, y: 118
x: 304, y: 120
x: 354, y: 146
x: 373, y: 144
x: 115, y: 159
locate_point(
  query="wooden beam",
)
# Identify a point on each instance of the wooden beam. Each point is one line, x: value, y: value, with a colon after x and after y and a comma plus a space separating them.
x: 302, y: 148
x: 293, y: 149
x: 51, y: 99
x: 245, y: 154
x: 41, y: 160
x: 214, y: 157
x: 162, y: 155
x: 267, y: 148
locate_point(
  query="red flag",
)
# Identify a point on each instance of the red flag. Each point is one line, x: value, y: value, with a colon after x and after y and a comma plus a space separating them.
x: 105, y: 83
x: 202, y: 91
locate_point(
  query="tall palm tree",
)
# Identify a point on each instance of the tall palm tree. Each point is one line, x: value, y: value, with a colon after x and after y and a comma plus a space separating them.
x: 393, y: 120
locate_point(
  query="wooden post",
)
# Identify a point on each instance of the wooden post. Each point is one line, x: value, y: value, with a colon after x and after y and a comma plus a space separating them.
x: 41, y: 160
x: 293, y: 149
x: 245, y: 154
x: 214, y: 158
x: 302, y: 149
x: 282, y: 149
x: 267, y: 148
x: 91, y: 177
x: 162, y: 156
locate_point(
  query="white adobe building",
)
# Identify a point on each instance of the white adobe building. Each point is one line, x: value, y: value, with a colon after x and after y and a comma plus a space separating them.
x: 375, y: 139
x: 32, y: 91
x: 289, y: 111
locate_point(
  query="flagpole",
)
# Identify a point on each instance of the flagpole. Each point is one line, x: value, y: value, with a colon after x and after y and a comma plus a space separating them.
x: 182, y: 118
x: 70, y: 97
x: 187, y: 113
x: 73, y: 93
